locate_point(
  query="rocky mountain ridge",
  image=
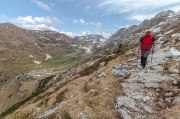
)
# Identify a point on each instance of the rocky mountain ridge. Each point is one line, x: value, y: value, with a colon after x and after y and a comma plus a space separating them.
x: 91, y: 38
x: 162, y: 19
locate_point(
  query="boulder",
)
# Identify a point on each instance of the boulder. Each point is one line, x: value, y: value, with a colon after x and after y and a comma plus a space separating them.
x: 48, y: 113
x: 83, y: 116
x: 126, y: 102
x: 151, y: 85
x: 169, y: 94
x: 147, y: 98
x: 123, y: 114
x: 119, y: 67
x: 176, y: 100
x: 168, y: 99
x: 102, y: 64
x: 175, y: 82
x: 123, y: 73
x: 36, y: 87
x: 148, y: 109
x: 103, y: 74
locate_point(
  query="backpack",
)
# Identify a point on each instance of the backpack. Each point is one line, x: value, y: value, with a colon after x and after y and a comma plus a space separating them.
x: 147, y: 42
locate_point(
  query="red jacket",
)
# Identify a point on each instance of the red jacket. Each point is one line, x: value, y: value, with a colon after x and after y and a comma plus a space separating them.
x: 147, y: 42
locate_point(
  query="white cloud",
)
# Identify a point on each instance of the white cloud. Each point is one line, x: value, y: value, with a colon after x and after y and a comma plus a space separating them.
x: 92, y: 23
x: 138, y: 9
x: 43, y: 5
x: 75, y: 21
x: 82, y: 22
x: 141, y: 17
x: 37, y: 23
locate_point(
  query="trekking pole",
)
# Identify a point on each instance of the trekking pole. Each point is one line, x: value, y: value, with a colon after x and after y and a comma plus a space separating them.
x: 137, y: 58
x: 151, y: 58
x: 138, y: 54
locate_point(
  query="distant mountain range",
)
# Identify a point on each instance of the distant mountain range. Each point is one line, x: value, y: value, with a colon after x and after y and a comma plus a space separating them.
x: 92, y: 38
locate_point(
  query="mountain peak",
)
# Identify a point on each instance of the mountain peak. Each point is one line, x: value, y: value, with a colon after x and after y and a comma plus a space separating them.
x: 165, y: 13
x: 8, y: 25
x: 92, y: 38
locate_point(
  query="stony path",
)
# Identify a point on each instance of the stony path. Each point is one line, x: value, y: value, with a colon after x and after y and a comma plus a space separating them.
x: 142, y: 89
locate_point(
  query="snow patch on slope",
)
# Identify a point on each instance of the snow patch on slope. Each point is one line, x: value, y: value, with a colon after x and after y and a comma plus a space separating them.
x: 177, y: 34
x: 175, y: 52
x: 48, y: 57
x: 30, y: 56
x: 37, y: 62
x: 88, y: 49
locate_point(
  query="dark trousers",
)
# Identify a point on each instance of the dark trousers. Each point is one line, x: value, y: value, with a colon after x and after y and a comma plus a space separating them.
x: 144, y: 55
x: 143, y: 61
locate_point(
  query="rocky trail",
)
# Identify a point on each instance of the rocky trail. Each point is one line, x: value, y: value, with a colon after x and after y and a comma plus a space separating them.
x: 152, y: 93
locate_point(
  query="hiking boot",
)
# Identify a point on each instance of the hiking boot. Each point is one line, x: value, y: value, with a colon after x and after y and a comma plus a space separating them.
x: 142, y: 58
x: 143, y: 67
x: 144, y: 61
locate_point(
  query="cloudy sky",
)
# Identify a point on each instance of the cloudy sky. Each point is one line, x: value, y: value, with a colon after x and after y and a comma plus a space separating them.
x: 81, y: 17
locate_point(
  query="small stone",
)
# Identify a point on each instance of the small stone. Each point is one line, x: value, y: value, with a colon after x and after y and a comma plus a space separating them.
x: 61, y: 103
x: 71, y: 96
x: 119, y: 67
x: 80, y: 102
x: 112, y: 55
x: 168, y: 94
x: 126, y: 102
x: 83, y: 116
x: 168, y: 109
x: 123, y: 73
x: 103, y: 74
x: 147, y: 98
x: 157, y: 94
x: 148, y: 109
x: 175, y: 82
x: 49, y: 112
x: 138, y: 96
x: 176, y: 100
x: 168, y: 99
x: 123, y: 114
x: 158, y: 90
x: 151, y: 85
x: 102, y: 64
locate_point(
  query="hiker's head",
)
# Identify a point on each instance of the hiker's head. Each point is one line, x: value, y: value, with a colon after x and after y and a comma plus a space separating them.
x: 148, y: 31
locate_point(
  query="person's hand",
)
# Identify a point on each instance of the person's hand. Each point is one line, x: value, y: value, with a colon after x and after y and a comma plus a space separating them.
x: 153, y: 50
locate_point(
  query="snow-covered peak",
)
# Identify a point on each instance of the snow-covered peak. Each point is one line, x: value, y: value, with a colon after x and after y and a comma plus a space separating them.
x: 92, y: 38
x: 165, y: 13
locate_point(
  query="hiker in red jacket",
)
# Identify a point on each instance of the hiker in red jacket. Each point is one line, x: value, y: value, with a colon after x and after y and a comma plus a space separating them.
x: 146, y: 43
